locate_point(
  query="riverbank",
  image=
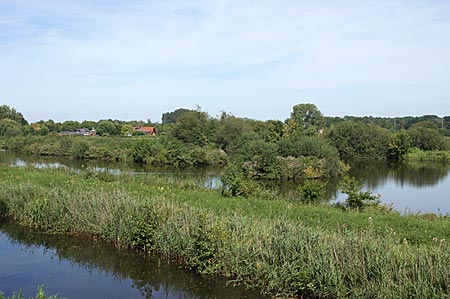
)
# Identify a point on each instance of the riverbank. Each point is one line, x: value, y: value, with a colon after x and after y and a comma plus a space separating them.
x: 417, y: 155
x: 280, y: 247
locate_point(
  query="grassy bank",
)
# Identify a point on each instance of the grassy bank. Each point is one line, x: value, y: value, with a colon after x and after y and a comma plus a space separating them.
x: 280, y: 247
x: 428, y: 156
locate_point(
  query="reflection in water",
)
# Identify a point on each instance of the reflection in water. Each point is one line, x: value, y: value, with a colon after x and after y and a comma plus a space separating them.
x: 417, y: 175
x: 78, y: 267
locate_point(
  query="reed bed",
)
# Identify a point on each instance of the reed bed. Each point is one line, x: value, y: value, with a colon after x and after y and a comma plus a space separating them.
x: 278, y: 247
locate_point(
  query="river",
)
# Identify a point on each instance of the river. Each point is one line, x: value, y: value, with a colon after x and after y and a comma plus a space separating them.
x: 80, y: 267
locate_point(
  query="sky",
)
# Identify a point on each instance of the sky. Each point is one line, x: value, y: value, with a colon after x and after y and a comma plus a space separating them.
x: 136, y: 59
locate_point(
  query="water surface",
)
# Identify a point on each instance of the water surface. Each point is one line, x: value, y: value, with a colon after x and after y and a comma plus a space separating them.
x: 79, y: 267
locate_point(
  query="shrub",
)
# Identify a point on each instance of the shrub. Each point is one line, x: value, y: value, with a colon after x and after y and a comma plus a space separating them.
x: 356, y: 198
x: 311, y: 191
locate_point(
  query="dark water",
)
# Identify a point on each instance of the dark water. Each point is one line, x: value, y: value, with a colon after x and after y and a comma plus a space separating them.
x: 411, y: 188
x: 78, y: 267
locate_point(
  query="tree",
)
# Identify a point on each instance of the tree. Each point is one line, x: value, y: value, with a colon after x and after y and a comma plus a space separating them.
x: 399, y: 145
x: 10, y: 113
x: 126, y: 130
x: 230, y: 128
x: 70, y: 126
x: 171, y: 117
x: 9, y: 127
x: 194, y: 127
x: 106, y: 128
x: 307, y: 116
x: 426, y: 138
x: 356, y: 140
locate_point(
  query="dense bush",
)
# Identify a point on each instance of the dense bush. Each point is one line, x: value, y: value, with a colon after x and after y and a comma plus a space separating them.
x: 359, y: 141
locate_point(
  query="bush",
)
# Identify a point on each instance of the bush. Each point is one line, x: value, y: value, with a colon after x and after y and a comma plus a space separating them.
x: 311, y: 191
x: 356, y: 198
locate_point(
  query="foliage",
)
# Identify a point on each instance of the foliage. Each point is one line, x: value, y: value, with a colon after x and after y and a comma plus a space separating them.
x: 7, y: 112
x: 106, y: 128
x: 229, y: 129
x: 428, y: 156
x: 312, y: 191
x: 9, y: 128
x: 307, y: 116
x: 235, y: 183
x: 359, y: 141
x: 356, y: 198
x: 426, y: 138
x: 399, y: 145
x: 194, y: 127
x: 171, y: 117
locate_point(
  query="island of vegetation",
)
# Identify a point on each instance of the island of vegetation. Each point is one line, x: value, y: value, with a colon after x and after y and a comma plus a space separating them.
x: 283, y: 247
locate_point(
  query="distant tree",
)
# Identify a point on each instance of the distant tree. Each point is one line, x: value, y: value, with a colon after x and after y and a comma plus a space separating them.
x: 426, y: 138
x: 306, y: 116
x: 88, y: 124
x: 70, y: 126
x: 126, y: 130
x: 194, y: 127
x: 44, y: 130
x: 9, y: 127
x: 171, y: 117
x: 10, y: 113
x: 229, y: 128
x: 356, y: 140
x: 399, y: 145
x: 106, y: 128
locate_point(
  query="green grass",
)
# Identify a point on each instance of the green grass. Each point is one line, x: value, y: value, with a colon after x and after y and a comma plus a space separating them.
x: 39, y: 295
x: 428, y: 156
x: 282, y: 248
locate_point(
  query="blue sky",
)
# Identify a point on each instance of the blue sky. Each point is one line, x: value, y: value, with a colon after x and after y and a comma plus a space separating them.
x: 94, y: 59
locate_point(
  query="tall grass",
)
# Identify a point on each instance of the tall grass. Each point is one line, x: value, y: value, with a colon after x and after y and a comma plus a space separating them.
x: 281, y: 248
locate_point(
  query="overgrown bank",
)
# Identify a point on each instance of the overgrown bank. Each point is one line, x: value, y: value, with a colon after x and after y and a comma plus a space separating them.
x: 283, y: 248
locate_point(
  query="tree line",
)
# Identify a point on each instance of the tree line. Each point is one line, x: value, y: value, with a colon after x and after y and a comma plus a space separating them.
x: 306, y: 145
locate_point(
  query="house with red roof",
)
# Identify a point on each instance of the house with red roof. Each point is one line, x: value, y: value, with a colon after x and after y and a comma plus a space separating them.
x: 149, y: 131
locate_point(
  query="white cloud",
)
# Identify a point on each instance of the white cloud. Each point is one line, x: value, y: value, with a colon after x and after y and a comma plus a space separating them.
x: 253, y: 58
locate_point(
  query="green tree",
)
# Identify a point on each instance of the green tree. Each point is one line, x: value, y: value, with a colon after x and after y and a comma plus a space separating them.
x: 230, y: 128
x: 9, y: 127
x: 355, y: 140
x: 399, y: 145
x: 194, y: 127
x: 126, y: 130
x: 70, y: 126
x: 171, y: 117
x: 356, y: 198
x: 7, y: 112
x: 307, y: 116
x: 426, y: 138
x: 44, y: 130
x: 106, y: 128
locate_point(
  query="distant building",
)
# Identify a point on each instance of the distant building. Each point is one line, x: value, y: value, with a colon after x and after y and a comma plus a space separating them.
x: 80, y: 132
x: 149, y: 131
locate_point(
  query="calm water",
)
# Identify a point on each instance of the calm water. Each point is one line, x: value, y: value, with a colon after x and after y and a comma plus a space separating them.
x: 411, y: 188
x: 77, y: 267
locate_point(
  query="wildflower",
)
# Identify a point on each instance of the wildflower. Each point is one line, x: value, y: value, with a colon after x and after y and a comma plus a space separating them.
x: 405, y: 242
x: 435, y: 240
x: 442, y: 240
